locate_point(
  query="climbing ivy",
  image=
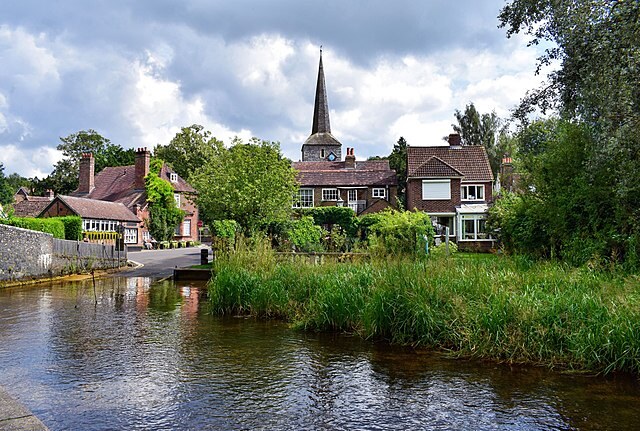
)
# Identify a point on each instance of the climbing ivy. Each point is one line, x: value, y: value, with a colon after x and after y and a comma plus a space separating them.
x: 164, y: 215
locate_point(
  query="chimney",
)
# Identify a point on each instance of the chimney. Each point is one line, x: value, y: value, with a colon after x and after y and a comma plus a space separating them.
x: 455, y: 140
x: 87, y: 168
x: 350, y: 159
x: 142, y: 167
x: 49, y: 194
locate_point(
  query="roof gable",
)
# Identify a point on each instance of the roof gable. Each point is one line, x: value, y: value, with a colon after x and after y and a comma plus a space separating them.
x: 94, y: 209
x: 436, y: 167
x: 471, y: 161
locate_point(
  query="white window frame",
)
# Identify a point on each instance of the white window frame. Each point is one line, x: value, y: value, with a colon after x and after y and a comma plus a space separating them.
x: 298, y: 201
x: 464, y: 192
x: 441, y: 197
x: 330, y: 194
x: 173, y: 177
x: 379, y: 192
x: 186, y: 227
x: 130, y: 235
x: 477, y: 220
x: 176, y: 197
x: 352, y: 195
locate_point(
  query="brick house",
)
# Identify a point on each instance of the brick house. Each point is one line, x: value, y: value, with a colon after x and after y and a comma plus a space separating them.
x: 454, y: 185
x: 326, y: 180
x: 125, y: 185
x: 26, y: 205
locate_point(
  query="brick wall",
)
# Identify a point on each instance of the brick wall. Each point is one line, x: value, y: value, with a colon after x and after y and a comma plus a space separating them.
x: 414, y: 198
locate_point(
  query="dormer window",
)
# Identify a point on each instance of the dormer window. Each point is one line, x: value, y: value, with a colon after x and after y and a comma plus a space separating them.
x: 173, y: 177
x: 472, y: 193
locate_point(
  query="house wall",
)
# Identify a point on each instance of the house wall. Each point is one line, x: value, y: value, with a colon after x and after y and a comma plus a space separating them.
x: 414, y: 198
x: 58, y: 210
x: 364, y: 194
x: 312, y: 153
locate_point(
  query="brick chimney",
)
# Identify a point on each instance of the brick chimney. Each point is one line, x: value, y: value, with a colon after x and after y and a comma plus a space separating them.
x: 86, y: 178
x: 49, y: 194
x: 142, y: 167
x: 455, y: 140
x: 350, y: 159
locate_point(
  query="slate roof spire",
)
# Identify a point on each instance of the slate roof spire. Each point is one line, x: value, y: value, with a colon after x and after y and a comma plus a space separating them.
x: 321, y: 107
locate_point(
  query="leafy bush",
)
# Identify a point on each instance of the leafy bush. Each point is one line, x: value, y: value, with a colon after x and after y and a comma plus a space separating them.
x: 441, y: 249
x: 53, y: 225
x: 341, y: 216
x: 400, y: 232
x: 72, y: 227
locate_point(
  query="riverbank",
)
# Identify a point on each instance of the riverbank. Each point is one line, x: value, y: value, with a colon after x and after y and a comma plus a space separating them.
x: 501, y: 308
x: 14, y: 416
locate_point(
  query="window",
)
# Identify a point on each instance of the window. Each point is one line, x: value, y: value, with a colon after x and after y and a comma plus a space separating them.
x: 472, y: 193
x: 130, y: 236
x: 379, y: 193
x: 322, y: 153
x: 304, y: 199
x: 441, y: 223
x: 474, y: 227
x: 176, y: 196
x: 186, y: 228
x: 352, y: 195
x: 436, y: 190
x: 173, y: 177
x: 331, y: 157
x: 329, y: 194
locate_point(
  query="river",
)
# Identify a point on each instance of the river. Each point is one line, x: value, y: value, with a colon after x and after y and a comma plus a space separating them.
x: 149, y: 356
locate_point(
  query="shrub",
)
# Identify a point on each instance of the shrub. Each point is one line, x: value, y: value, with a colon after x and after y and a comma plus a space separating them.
x: 54, y: 226
x: 72, y: 227
x: 400, y: 232
x: 341, y: 216
x: 305, y: 235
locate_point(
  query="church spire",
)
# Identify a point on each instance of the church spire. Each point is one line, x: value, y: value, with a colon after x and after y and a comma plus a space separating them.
x: 321, y: 107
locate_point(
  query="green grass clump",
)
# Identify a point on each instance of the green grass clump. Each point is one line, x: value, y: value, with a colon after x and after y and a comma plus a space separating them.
x: 509, y: 309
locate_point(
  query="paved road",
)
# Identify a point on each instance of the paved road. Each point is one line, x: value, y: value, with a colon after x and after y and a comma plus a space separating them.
x: 160, y: 263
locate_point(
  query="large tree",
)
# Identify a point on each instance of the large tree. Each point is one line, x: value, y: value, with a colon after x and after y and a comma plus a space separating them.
x: 250, y: 183
x: 64, y: 178
x: 481, y: 129
x: 191, y: 148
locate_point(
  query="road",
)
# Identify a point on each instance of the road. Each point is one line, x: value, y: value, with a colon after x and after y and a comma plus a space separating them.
x: 160, y: 263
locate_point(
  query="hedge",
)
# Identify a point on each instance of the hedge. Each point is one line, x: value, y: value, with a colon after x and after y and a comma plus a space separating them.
x: 53, y: 225
x: 72, y: 227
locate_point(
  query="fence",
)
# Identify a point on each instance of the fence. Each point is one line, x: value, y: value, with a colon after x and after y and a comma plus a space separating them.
x: 88, y: 255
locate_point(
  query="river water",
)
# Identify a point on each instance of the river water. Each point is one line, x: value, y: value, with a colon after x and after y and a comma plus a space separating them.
x: 150, y: 356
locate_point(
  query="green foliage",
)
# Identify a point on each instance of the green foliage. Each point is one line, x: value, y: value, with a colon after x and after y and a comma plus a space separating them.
x: 502, y: 308
x: 400, y: 232
x: 64, y: 178
x: 53, y: 225
x: 72, y: 227
x: 249, y: 183
x: 340, y: 216
x: 6, y: 191
x: 441, y: 249
x: 305, y: 235
x: 164, y: 215
x: 224, y: 235
x: 191, y: 148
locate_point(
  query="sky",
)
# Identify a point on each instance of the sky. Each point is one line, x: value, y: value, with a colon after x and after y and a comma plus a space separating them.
x: 138, y: 71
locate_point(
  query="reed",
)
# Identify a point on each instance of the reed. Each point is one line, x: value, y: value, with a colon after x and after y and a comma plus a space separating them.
x: 509, y: 309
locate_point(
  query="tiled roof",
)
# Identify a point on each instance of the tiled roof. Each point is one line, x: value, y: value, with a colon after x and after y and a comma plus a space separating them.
x: 322, y: 139
x: 117, y: 184
x: 435, y: 167
x: 471, y: 161
x: 97, y: 209
x: 335, y: 174
x: 30, y: 207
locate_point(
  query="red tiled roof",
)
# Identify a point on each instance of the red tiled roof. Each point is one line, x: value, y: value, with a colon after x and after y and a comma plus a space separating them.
x: 471, y: 161
x: 366, y: 173
x: 97, y: 209
x: 117, y: 184
x: 435, y: 167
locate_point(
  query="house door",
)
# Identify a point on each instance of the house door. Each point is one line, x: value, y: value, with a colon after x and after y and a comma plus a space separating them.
x: 352, y: 195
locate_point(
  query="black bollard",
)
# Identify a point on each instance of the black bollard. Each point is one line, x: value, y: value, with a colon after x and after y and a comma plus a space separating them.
x: 204, y: 256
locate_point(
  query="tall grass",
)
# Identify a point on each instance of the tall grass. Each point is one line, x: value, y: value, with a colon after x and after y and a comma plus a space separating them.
x: 510, y: 309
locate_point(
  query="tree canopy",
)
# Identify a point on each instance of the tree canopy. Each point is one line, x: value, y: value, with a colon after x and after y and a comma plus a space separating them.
x: 251, y: 183
x: 191, y: 148
x: 6, y: 191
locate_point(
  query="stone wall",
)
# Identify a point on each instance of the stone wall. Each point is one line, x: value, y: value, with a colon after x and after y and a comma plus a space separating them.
x: 27, y: 254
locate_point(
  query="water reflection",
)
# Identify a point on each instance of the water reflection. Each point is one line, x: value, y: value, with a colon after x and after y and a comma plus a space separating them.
x: 148, y: 355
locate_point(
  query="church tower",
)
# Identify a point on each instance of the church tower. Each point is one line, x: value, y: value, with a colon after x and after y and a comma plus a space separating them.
x: 321, y: 145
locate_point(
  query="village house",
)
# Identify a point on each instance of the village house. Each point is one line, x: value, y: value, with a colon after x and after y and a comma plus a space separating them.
x: 26, y: 205
x: 454, y: 185
x: 125, y: 185
x: 326, y: 180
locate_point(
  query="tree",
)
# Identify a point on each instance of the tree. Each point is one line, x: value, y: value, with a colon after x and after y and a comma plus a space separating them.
x: 64, y: 178
x: 398, y: 162
x: 481, y: 129
x: 164, y: 215
x: 190, y: 149
x: 251, y: 183
x: 6, y: 191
